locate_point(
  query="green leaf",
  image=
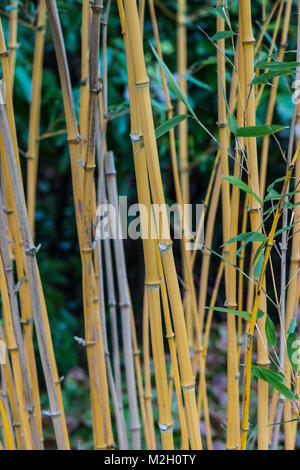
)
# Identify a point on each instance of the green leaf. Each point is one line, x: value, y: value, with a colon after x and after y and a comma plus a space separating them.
x: 258, y: 266
x: 293, y: 350
x: 198, y: 83
x: 264, y: 78
x: 169, y: 124
x: 255, y: 236
x: 270, y: 332
x: 284, y: 229
x: 258, y: 251
x: 258, y: 131
x: 232, y: 122
x: 292, y: 326
x: 240, y: 313
x: 172, y: 82
x: 273, y: 195
x: 240, y: 184
x: 273, y: 378
x: 273, y: 65
x: 220, y: 11
x: 222, y: 35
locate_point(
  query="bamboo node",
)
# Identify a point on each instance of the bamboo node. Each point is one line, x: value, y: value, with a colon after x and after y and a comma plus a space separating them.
x: 18, y: 285
x: 96, y: 91
x: 90, y: 167
x: 29, y: 156
x: 89, y: 343
x: 13, y: 47
x: 84, y: 81
x: 124, y: 304
x: 136, y: 427
x: 135, y: 138
x: 7, y: 211
x: 165, y: 247
x: 81, y: 163
x: 96, y: 7
x: 136, y: 352
x: 171, y: 335
x: 40, y: 27
x: 59, y: 381
x: 33, y: 251
x: 249, y: 42
x: 221, y: 124
x: 52, y: 414
x: 27, y: 321
x: 89, y: 249
x: 254, y: 210
x: 152, y: 285
x: 188, y: 387
x: 8, y: 268
x: 75, y: 140
x: 30, y: 409
x: 165, y: 427
x: 4, y: 53
x: 245, y: 429
x: 142, y: 83
x: 80, y: 341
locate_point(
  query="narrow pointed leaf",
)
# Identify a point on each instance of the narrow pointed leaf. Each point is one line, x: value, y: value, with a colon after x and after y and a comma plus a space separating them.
x: 169, y: 124
x: 293, y: 350
x: 273, y: 378
x: 222, y: 35
x: 258, y: 131
x: 270, y: 332
x: 240, y: 184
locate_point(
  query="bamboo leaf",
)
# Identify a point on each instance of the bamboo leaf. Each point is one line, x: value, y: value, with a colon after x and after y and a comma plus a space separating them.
x: 198, y: 83
x: 232, y: 122
x: 264, y: 78
x: 273, y: 378
x: 270, y: 332
x: 292, y: 326
x: 258, y: 266
x: 169, y: 124
x: 220, y: 11
x: 284, y: 229
x: 258, y: 131
x: 292, y: 350
x: 255, y: 236
x: 273, y: 65
x: 172, y: 82
x: 258, y: 251
x: 222, y: 35
x: 240, y: 313
x: 240, y: 184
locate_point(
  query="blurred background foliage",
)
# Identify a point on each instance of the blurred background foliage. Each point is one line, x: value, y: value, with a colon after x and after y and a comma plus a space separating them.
x: 59, y: 258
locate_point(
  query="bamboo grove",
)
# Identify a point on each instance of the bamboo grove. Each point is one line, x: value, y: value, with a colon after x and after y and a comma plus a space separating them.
x: 149, y: 362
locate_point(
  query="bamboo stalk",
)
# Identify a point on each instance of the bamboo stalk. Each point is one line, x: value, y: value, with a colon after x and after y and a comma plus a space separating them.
x: 255, y: 218
x: 272, y: 98
x: 144, y: 106
x: 233, y: 437
x: 12, y: 44
x: 124, y: 303
x: 34, y: 114
x: 269, y: 246
x: 147, y: 370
